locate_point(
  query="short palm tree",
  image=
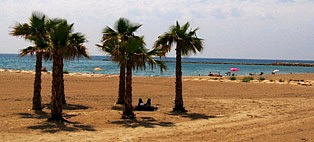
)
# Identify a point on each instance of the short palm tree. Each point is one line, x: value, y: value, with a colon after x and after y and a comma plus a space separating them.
x: 36, y: 32
x: 64, y: 45
x: 186, y: 43
x: 115, y: 39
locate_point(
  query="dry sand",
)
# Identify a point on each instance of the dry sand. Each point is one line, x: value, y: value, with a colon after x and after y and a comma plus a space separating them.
x: 219, y: 110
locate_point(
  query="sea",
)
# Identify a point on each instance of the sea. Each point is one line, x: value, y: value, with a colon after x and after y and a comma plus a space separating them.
x: 190, y: 66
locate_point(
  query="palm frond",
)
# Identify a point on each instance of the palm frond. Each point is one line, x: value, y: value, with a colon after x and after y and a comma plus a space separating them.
x: 122, y: 45
x: 22, y: 30
x: 164, y: 43
x: 35, y: 31
x: 108, y: 30
x: 184, y: 37
x: 28, y: 50
x: 75, y: 47
x: 133, y: 28
x: 122, y: 25
x: 60, y: 32
x: 185, y: 27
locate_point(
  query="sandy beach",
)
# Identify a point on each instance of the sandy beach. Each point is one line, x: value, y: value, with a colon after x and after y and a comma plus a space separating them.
x: 279, y: 108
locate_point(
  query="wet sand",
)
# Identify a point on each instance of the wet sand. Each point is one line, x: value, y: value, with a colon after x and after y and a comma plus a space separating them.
x: 279, y: 108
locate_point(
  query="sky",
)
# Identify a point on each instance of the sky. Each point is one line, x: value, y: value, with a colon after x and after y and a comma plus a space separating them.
x: 249, y: 29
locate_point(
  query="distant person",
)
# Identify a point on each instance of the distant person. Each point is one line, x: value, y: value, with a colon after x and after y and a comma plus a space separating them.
x: 44, y: 69
x: 261, y: 73
x: 228, y: 73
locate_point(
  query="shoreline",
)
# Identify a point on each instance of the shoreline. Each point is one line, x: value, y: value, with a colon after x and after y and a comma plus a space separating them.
x: 101, y: 74
x: 263, y: 79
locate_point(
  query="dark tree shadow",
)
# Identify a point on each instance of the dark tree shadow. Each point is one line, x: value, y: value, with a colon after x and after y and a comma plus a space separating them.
x: 53, y: 127
x: 117, y: 107
x: 36, y: 115
x: 192, y: 116
x: 42, y: 115
x: 69, y: 106
x: 147, y: 122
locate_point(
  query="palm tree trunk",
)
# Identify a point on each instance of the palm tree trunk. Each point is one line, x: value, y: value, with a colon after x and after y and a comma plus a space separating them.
x: 121, y: 84
x: 37, y: 83
x: 57, y: 72
x: 62, y: 88
x: 128, y: 108
x: 178, y: 100
x: 64, y: 102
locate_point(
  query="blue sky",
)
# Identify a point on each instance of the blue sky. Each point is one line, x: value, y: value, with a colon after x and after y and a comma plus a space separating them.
x: 260, y: 29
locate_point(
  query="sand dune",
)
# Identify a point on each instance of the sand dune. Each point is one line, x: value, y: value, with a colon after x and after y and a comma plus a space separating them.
x: 219, y: 110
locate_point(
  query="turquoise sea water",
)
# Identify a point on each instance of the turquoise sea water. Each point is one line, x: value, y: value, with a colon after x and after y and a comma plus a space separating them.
x: 13, y: 61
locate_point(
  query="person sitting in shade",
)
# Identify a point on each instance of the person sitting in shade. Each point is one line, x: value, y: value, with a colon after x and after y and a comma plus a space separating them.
x: 145, y: 107
x: 140, y: 102
x: 148, y: 103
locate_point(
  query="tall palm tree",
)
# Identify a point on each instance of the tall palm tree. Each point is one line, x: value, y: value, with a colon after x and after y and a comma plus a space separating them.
x: 115, y: 39
x: 186, y: 43
x: 64, y: 44
x: 36, y: 32
x: 137, y: 56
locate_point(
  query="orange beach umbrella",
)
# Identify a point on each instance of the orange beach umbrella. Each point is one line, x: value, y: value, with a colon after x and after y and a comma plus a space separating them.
x: 97, y: 69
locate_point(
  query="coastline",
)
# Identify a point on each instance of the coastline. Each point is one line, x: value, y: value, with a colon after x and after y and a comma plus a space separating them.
x: 82, y: 73
x: 305, y: 79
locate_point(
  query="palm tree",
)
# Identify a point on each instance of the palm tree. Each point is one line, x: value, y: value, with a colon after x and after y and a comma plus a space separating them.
x: 129, y: 51
x: 35, y: 32
x: 136, y: 58
x: 115, y: 39
x: 186, y: 43
x: 64, y: 44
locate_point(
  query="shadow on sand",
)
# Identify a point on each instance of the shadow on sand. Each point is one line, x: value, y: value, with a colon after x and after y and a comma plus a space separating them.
x: 42, y: 115
x: 69, y: 106
x: 53, y: 127
x: 36, y: 115
x: 192, y: 116
x: 117, y: 107
x: 147, y: 122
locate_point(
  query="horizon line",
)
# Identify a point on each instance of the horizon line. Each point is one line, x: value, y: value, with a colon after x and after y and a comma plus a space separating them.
x: 209, y: 57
